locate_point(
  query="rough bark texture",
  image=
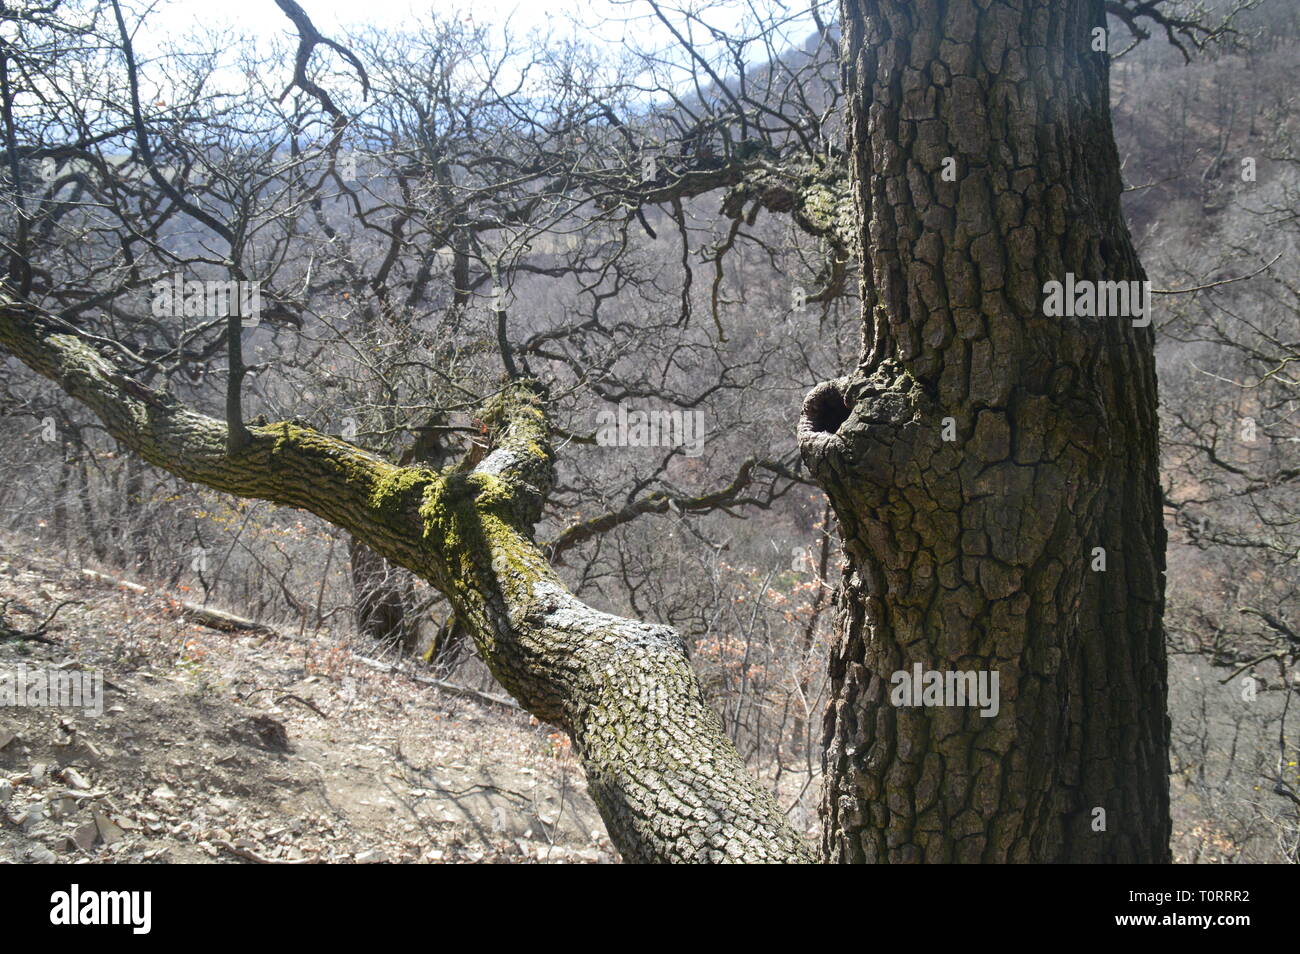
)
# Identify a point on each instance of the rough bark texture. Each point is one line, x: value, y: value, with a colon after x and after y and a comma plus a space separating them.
x: 667, y: 780
x: 976, y: 553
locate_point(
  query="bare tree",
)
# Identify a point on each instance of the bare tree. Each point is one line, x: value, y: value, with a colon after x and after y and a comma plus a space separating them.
x: 438, y: 260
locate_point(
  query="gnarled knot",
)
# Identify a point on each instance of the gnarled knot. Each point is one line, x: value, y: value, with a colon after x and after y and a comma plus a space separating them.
x: 825, y: 409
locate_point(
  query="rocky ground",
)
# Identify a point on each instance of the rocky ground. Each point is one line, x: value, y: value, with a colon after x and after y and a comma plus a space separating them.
x: 238, y: 748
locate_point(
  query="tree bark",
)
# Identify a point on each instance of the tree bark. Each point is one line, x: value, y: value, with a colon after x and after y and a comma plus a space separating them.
x: 977, y: 553
x: 664, y: 775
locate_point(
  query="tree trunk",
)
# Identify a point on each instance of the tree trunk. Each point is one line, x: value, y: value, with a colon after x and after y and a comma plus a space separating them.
x: 978, y: 552
x: 94, y: 533
x: 447, y: 646
x: 136, y: 551
x: 384, y: 596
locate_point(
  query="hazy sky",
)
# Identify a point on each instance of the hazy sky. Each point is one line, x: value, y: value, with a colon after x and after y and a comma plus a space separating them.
x: 610, y: 23
x: 329, y: 15
x: 595, y: 19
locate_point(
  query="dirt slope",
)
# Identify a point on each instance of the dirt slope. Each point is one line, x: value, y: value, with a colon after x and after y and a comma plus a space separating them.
x: 214, y: 747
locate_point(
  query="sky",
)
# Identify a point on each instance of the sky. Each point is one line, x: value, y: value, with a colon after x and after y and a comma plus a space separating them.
x: 605, y: 20
x: 608, y: 23
x: 330, y: 15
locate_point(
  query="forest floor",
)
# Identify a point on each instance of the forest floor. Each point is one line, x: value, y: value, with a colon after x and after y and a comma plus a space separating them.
x: 226, y: 747
x: 237, y: 747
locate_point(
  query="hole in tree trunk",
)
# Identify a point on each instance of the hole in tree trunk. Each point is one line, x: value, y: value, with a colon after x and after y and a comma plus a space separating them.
x: 825, y: 409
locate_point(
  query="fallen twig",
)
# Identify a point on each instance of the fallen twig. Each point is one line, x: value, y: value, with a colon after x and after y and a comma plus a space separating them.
x: 455, y: 688
x: 249, y: 855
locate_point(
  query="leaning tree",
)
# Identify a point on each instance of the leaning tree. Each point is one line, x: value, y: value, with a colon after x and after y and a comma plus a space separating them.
x: 993, y: 469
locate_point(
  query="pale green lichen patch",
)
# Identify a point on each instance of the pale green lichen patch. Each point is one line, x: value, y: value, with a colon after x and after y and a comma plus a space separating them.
x: 820, y: 206
x: 518, y: 423
x: 399, y: 489
x: 471, y: 519
x: 828, y: 207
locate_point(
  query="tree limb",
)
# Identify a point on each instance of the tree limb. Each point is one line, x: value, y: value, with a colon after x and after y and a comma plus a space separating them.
x: 668, y: 781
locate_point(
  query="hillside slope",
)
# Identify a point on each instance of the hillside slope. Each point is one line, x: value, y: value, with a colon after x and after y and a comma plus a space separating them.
x: 220, y: 747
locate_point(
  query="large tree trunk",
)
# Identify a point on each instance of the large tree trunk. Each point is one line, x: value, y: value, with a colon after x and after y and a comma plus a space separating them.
x: 978, y: 553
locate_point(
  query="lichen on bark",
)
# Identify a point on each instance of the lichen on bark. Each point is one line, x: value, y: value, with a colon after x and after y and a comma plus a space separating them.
x: 667, y: 780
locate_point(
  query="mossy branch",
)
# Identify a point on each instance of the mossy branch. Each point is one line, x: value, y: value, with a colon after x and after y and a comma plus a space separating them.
x: 667, y: 780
